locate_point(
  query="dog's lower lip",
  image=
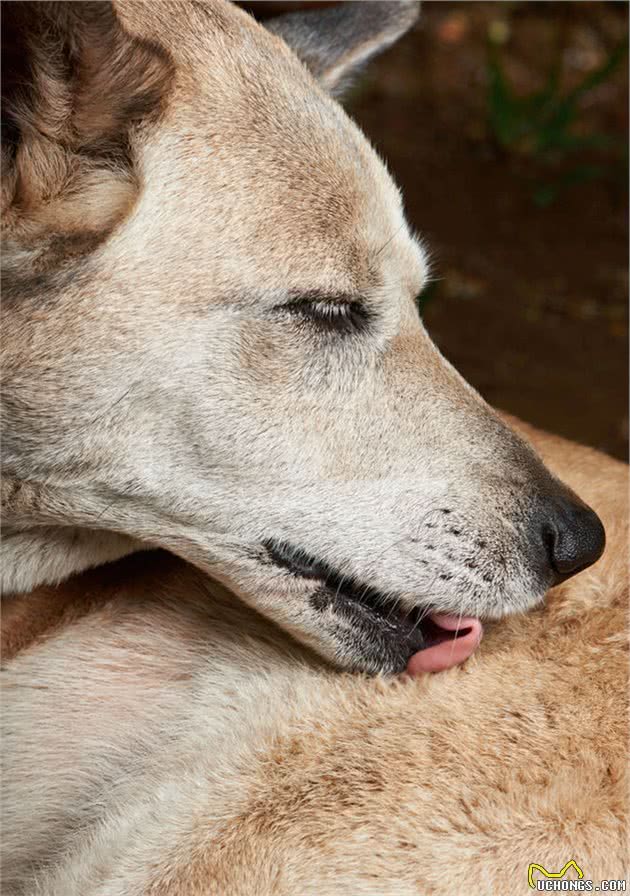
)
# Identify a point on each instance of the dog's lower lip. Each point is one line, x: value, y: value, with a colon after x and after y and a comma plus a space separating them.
x: 444, y: 640
x: 303, y: 565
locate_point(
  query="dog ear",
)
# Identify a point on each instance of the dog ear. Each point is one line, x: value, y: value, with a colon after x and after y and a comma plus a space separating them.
x: 75, y: 85
x: 335, y: 42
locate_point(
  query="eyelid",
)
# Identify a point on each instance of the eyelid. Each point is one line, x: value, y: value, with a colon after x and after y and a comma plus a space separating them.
x: 337, y: 313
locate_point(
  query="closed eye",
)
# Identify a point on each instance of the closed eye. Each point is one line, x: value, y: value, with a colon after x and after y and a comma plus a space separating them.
x: 340, y: 314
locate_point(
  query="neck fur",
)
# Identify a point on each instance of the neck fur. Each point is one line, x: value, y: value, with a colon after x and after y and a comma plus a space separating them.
x: 48, y: 555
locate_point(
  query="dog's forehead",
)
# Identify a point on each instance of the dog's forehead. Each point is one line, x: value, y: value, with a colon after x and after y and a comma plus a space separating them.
x: 280, y: 160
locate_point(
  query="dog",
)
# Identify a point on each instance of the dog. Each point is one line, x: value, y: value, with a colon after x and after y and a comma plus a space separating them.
x: 211, y: 346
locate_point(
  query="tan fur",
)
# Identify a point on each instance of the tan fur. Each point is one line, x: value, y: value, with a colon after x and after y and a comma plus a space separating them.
x: 241, y: 769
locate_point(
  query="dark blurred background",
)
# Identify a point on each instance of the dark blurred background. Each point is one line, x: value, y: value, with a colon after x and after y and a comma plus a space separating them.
x: 506, y: 126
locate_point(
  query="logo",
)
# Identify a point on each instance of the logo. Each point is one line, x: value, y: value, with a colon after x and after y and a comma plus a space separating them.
x: 552, y: 875
x: 556, y: 882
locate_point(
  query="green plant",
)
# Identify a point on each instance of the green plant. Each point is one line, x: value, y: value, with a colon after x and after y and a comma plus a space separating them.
x: 542, y: 124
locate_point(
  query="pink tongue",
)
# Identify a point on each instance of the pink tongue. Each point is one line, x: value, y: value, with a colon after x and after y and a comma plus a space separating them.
x: 453, y: 650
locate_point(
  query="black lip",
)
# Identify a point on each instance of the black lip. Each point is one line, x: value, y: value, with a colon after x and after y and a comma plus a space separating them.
x: 300, y: 563
x: 383, y: 636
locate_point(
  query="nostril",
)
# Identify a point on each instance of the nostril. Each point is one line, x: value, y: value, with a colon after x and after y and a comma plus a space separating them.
x: 574, y: 541
x: 549, y: 541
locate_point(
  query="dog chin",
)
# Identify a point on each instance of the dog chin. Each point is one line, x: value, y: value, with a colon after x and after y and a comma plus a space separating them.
x: 377, y: 641
x: 362, y: 629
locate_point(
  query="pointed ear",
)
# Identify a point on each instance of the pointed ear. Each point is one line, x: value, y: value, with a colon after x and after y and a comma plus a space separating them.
x: 75, y: 86
x: 335, y: 42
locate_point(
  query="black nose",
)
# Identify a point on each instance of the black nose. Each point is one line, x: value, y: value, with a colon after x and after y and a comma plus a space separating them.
x: 574, y: 537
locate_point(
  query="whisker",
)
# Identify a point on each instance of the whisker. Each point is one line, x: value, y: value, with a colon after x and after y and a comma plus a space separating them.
x: 392, y: 237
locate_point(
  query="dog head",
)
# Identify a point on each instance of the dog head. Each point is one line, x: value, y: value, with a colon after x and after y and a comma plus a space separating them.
x: 211, y: 338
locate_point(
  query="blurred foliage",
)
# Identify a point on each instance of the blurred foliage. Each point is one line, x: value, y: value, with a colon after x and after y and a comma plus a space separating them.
x: 542, y: 124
